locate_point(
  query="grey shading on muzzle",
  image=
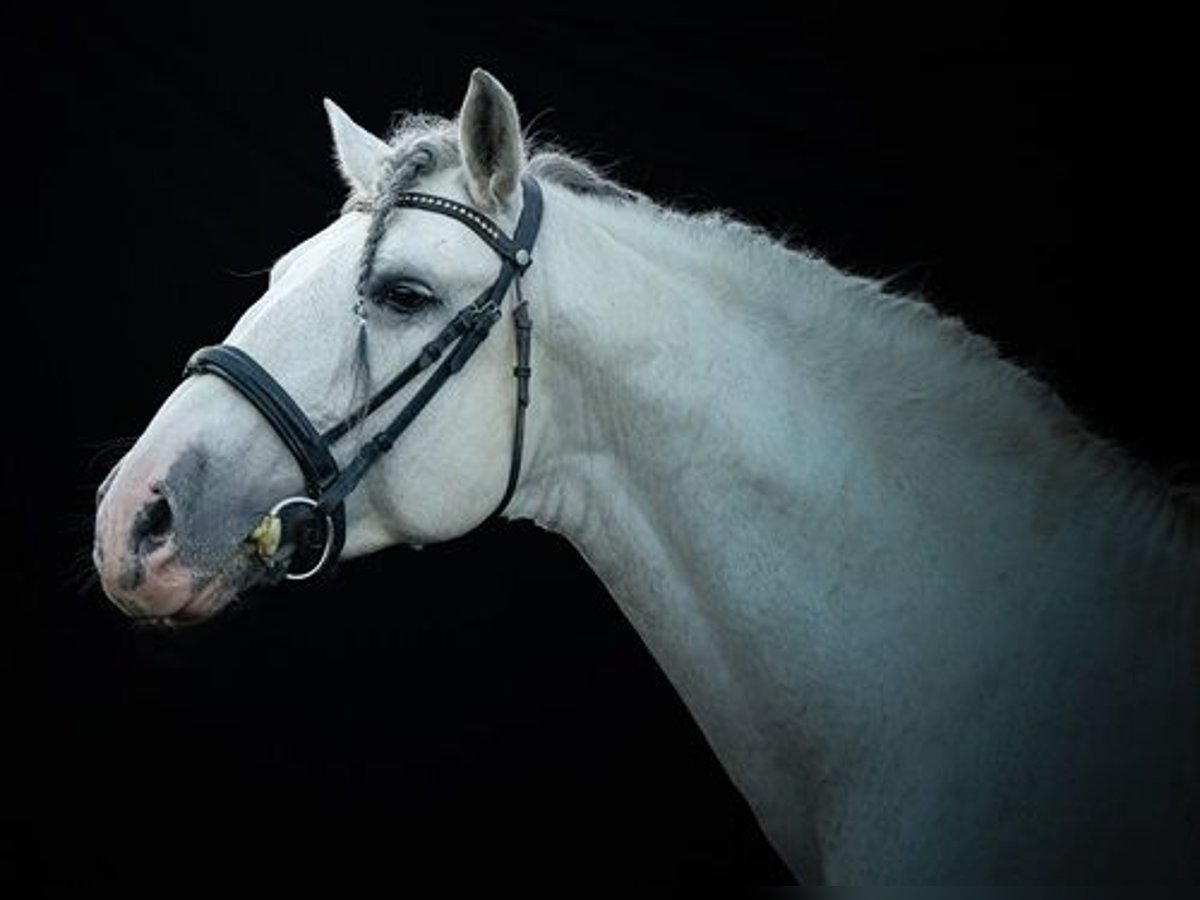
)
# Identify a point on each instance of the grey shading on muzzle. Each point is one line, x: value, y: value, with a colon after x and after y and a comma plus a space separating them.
x: 204, y: 509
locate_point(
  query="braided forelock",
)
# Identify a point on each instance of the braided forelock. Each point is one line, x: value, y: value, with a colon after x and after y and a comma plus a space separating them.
x: 399, y: 175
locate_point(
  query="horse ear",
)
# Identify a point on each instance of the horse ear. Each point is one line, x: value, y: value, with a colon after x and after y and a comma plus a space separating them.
x: 359, y: 153
x: 493, y: 151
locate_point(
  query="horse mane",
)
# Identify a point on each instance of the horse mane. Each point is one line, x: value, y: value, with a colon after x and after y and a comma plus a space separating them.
x: 994, y: 380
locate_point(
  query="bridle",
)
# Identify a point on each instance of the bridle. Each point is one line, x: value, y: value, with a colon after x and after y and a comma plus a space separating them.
x: 314, y: 524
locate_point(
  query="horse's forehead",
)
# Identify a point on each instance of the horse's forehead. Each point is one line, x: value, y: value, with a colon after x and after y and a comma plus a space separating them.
x: 417, y: 237
x: 425, y: 240
x: 433, y: 240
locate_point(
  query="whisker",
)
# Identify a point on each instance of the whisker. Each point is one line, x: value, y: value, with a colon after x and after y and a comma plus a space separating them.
x: 106, y: 453
x: 81, y: 573
x: 116, y: 443
x: 252, y: 273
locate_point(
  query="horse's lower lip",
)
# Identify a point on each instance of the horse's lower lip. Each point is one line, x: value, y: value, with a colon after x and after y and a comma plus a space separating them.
x: 202, y: 604
x: 189, y: 610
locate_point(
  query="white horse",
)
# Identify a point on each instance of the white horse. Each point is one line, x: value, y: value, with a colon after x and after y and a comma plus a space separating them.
x: 934, y: 630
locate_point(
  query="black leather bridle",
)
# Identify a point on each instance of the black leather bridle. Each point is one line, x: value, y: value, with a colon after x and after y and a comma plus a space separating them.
x: 314, y: 525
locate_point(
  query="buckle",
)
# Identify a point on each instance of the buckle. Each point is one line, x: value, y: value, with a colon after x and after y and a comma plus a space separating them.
x: 297, y: 528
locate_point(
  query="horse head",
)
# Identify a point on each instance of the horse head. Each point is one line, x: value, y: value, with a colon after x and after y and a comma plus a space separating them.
x: 190, y: 517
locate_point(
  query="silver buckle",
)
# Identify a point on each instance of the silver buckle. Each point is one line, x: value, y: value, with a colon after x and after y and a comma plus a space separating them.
x: 310, y: 502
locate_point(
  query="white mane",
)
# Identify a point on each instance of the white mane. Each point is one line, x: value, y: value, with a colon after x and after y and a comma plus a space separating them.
x: 762, y: 275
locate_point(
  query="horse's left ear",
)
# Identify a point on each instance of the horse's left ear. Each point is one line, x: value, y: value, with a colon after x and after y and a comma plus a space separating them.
x: 359, y: 153
x: 493, y: 151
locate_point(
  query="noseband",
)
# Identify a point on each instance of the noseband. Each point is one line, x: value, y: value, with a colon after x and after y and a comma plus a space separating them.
x: 314, y: 525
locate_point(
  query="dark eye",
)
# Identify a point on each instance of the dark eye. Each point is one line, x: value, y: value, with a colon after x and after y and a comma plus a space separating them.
x: 404, y: 295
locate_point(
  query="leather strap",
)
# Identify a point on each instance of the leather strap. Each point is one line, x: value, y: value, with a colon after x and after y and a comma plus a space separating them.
x: 254, y: 383
x: 515, y: 250
x: 465, y: 332
x: 320, y: 469
x: 326, y: 484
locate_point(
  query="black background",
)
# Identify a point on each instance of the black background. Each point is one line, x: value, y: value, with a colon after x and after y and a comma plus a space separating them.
x: 481, y: 709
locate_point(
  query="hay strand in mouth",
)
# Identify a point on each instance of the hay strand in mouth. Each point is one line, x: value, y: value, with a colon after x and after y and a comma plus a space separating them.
x: 266, y: 535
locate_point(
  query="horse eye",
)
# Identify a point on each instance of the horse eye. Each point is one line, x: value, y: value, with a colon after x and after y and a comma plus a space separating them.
x: 405, y: 296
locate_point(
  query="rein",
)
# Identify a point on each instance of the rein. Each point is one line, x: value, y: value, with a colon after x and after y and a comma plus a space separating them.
x: 314, y: 524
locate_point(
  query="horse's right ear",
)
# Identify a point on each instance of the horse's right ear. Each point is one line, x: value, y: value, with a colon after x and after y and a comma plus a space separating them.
x: 493, y: 151
x: 359, y: 153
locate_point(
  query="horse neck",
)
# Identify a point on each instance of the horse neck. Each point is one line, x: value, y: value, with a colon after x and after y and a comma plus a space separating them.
x: 641, y: 322
x: 779, y: 472
x: 837, y: 520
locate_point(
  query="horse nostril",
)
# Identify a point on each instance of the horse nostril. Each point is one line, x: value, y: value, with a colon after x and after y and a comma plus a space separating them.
x: 151, y: 525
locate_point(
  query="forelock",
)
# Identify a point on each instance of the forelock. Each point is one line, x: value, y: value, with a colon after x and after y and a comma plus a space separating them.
x: 430, y: 135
